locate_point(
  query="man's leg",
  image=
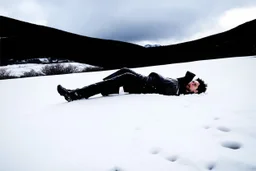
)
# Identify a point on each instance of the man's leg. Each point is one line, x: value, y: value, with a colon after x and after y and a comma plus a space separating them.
x: 100, y: 87
x: 120, y: 72
x: 115, y: 90
x: 68, y: 94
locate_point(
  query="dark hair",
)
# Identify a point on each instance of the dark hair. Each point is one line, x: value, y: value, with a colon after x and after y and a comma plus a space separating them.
x: 202, y: 87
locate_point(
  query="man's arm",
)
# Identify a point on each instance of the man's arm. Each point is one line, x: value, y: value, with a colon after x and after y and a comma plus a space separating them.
x: 163, y: 85
x: 189, y: 76
x: 156, y: 79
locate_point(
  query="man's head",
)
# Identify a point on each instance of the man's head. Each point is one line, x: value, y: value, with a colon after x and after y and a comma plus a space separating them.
x: 196, y: 86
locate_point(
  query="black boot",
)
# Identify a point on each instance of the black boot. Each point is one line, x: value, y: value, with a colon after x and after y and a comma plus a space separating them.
x: 69, y: 95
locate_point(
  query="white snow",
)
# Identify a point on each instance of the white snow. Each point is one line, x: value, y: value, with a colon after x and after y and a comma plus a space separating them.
x: 20, y: 69
x: 40, y: 131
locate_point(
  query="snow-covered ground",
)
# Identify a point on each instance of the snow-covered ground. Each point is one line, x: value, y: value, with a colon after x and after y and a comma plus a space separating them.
x: 40, y: 131
x: 20, y: 69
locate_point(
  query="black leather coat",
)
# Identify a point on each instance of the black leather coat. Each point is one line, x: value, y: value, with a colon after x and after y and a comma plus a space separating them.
x: 156, y: 83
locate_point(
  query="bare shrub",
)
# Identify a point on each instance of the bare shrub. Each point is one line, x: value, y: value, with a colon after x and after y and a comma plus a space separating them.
x: 59, y: 69
x: 4, y: 74
x: 32, y: 73
x: 89, y: 69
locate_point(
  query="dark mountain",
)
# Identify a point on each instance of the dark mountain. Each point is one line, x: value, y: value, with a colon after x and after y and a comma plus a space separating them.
x: 239, y: 41
x: 23, y: 40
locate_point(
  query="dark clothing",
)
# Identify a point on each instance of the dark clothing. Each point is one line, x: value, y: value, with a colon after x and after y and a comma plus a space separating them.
x: 154, y: 83
x: 163, y: 85
x: 134, y: 83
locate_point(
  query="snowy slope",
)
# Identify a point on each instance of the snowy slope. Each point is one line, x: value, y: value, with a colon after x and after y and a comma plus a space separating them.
x: 213, y: 131
x: 20, y: 69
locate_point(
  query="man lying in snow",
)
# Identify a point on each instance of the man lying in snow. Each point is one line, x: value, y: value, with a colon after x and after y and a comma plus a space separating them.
x: 135, y: 83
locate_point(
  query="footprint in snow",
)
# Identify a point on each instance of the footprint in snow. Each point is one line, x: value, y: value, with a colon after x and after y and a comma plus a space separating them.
x: 231, y: 145
x: 172, y: 158
x: 211, y: 166
x: 223, y: 129
x: 206, y: 127
x: 116, y: 169
x: 155, y: 150
x: 216, y: 118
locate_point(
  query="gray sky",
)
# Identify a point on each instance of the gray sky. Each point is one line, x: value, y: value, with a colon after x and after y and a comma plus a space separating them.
x: 135, y: 21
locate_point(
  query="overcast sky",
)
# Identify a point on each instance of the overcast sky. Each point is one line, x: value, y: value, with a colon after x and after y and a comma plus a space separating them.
x: 136, y: 21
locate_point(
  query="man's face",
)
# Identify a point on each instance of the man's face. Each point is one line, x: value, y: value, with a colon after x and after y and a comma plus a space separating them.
x: 193, y: 86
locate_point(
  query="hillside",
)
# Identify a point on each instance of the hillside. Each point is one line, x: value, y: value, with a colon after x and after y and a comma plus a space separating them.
x: 23, y: 40
x: 239, y: 41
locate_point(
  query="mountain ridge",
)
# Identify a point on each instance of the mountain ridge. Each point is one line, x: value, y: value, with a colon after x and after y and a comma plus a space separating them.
x: 22, y: 40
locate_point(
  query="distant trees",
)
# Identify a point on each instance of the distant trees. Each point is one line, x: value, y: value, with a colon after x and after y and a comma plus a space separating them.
x: 53, y: 69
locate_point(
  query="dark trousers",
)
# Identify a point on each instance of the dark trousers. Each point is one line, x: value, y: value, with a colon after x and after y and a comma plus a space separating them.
x: 126, y: 78
x: 123, y: 71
